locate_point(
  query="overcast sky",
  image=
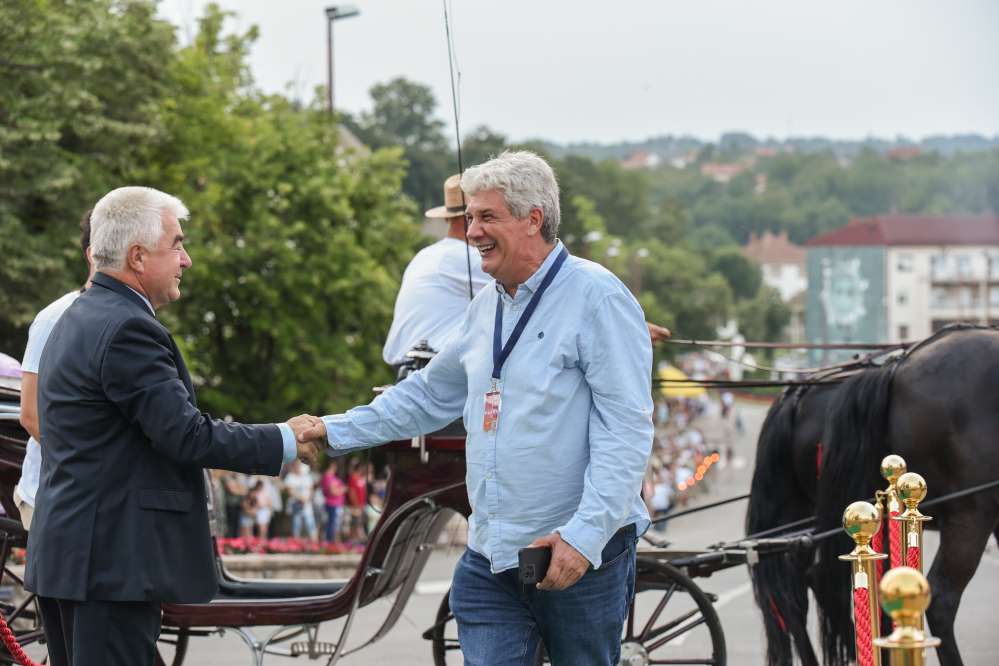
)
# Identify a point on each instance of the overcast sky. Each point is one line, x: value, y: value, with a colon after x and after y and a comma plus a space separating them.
x: 605, y: 71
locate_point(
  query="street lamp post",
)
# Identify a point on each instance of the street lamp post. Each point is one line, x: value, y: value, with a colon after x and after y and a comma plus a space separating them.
x: 332, y: 14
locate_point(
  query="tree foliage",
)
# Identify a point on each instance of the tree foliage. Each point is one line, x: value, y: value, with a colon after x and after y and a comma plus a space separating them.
x: 298, y: 245
x: 81, y: 84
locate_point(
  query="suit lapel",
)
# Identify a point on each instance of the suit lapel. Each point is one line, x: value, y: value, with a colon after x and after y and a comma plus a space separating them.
x: 185, y: 376
x: 115, y: 285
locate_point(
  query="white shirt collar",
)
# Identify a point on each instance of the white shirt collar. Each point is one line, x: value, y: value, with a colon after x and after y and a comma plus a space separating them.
x: 144, y: 300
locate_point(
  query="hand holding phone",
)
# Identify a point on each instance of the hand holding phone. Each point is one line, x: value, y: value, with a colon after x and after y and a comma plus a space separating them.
x: 532, y: 564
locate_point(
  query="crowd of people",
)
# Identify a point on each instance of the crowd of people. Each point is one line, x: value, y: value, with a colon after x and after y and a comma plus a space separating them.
x: 341, y: 504
x: 692, y: 435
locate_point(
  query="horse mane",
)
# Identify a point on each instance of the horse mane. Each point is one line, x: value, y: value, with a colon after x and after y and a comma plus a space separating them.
x: 856, y: 440
x: 779, y: 584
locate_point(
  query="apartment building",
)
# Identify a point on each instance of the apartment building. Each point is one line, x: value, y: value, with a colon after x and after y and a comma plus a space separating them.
x: 901, y: 277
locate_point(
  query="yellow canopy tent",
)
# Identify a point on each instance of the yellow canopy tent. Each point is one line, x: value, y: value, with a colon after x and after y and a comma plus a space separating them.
x: 678, y: 390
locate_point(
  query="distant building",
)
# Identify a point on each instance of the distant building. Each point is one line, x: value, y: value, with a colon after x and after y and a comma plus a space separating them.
x: 903, y: 153
x: 901, y: 277
x: 781, y: 261
x: 641, y: 160
x: 722, y: 172
x: 782, y: 264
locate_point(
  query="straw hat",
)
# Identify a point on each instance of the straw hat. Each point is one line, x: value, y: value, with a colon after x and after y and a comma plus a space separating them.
x: 454, y: 200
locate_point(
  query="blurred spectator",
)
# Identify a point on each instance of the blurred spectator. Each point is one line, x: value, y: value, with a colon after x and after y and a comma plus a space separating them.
x: 218, y: 504
x: 376, y: 497
x: 233, y: 493
x: 248, y: 515
x: 357, y: 498
x: 263, y: 504
x: 300, y: 486
x: 335, y: 491
x: 727, y: 400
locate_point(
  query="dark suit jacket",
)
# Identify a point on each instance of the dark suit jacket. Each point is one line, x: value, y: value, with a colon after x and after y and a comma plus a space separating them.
x: 121, y: 507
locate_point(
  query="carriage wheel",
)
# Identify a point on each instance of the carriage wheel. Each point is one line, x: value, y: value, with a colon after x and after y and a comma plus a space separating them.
x: 671, y: 620
x: 444, y: 635
x: 21, y: 611
x: 178, y: 638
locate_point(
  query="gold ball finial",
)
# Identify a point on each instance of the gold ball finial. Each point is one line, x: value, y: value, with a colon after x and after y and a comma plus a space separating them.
x: 911, y: 489
x: 860, y: 520
x: 905, y: 595
x: 892, y: 467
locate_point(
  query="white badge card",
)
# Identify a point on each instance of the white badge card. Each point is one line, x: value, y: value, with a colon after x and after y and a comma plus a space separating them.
x: 491, y: 410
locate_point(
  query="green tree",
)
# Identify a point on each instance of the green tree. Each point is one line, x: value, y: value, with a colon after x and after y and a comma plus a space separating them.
x: 743, y: 276
x: 81, y: 84
x: 764, y: 317
x: 298, y: 246
x: 402, y: 115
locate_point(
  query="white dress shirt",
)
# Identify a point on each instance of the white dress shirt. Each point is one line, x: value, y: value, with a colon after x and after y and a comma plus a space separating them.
x: 433, y: 297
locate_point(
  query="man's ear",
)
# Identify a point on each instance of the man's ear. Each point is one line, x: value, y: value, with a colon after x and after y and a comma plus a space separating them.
x: 135, y: 258
x: 535, y: 219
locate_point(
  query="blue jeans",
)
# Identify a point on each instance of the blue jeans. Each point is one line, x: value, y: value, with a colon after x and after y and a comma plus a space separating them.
x: 500, y: 621
x: 333, y: 513
x: 302, y: 514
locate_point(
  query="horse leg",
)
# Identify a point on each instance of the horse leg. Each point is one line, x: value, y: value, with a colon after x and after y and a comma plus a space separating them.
x: 962, y: 542
x: 799, y: 634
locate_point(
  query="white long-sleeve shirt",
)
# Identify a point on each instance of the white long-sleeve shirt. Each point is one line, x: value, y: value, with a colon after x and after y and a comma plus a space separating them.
x: 433, y: 297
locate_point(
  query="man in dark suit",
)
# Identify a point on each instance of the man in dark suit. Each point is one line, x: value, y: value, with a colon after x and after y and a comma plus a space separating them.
x: 120, y: 524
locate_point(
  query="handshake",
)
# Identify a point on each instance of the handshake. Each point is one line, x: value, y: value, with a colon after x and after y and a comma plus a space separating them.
x: 310, y: 437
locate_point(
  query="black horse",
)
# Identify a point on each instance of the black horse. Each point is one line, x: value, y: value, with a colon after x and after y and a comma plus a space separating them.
x: 789, y: 455
x: 937, y: 406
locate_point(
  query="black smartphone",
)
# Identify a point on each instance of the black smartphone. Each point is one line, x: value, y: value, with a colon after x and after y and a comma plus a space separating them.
x: 532, y: 564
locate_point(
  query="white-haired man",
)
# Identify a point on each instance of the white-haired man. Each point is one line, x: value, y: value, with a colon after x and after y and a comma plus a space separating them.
x: 551, y: 370
x: 120, y: 521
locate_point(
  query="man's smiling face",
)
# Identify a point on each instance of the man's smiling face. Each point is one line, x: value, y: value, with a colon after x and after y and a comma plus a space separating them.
x: 164, y: 265
x: 497, y: 234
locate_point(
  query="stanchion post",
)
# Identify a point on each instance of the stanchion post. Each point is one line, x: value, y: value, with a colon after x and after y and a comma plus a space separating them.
x: 861, y: 520
x: 905, y: 595
x: 912, y: 491
x: 892, y: 467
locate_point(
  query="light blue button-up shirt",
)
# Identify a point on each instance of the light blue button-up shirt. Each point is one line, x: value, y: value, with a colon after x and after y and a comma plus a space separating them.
x: 575, y: 425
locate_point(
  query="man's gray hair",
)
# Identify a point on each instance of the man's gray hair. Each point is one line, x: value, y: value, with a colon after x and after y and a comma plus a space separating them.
x: 525, y: 180
x: 128, y: 216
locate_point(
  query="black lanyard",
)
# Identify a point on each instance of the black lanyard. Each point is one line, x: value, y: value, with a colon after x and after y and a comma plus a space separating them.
x: 501, y: 352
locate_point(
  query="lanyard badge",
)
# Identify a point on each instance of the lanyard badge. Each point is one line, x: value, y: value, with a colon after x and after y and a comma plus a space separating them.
x: 492, y: 400
x: 491, y: 409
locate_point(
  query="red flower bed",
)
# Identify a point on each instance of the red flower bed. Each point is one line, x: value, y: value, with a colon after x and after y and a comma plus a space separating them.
x: 283, y: 546
x: 242, y: 546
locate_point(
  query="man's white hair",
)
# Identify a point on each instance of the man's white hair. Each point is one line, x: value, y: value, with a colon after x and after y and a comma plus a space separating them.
x: 128, y: 216
x: 525, y: 180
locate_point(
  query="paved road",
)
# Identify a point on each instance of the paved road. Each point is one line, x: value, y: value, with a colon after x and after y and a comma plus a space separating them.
x: 740, y: 619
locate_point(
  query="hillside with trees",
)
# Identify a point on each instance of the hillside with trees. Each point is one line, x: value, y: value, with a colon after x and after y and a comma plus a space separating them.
x: 299, y: 243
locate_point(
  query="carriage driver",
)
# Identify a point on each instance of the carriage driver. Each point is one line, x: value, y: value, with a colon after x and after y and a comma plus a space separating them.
x: 437, y: 285
x: 550, y: 367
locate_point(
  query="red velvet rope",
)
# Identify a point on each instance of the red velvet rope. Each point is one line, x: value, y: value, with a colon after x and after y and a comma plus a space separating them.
x: 912, y: 557
x: 877, y: 545
x: 862, y: 619
x: 895, y: 540
x: 13, y: 647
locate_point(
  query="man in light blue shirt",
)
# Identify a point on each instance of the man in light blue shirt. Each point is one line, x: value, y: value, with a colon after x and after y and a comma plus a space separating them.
x: 550, y: 369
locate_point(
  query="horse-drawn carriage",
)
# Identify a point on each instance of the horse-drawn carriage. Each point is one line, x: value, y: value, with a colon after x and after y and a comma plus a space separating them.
x: 818, y: 450
x: 672, y: 620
